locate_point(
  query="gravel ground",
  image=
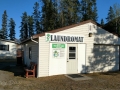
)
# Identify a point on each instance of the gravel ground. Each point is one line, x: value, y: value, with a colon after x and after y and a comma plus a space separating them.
x: 11, y: 78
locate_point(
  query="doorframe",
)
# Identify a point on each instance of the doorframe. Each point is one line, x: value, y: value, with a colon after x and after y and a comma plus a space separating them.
x: 85, y: 57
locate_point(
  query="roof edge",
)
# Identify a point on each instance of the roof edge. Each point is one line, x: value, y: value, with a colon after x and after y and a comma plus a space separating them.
x: 7, y: 40
x: 64, y: 28
x: 61, y: 29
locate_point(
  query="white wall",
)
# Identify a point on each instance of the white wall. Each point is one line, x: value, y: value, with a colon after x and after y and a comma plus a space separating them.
x: 57, y: 65
x: 81, y: 58
x: 102, y: 36
x: 105, y: 55
x: 44, y: 49
x: 105, y: 58
x: 11, y: 54
x: 83, y: 30
x: 43, y: 57
x: 34, y: 57
x: 45, y: 68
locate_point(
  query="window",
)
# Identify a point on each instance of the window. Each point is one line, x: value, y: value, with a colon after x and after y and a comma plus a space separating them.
x: 72, y: 52
x: 4, y: 47
x: 30, y: 52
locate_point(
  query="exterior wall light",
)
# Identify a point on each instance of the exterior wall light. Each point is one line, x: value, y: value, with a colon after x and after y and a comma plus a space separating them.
x: 90, y: 34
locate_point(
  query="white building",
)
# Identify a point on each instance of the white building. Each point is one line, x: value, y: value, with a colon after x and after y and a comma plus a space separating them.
x: 7, y: 50
x: 71, y: 49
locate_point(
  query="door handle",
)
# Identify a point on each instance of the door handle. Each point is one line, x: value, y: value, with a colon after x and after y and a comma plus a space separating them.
x: 67, y: 61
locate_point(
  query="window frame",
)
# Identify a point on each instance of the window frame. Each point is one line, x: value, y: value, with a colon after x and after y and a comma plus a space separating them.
x: 72, y: 52
x: 30, y: 52
x: 4, y: 47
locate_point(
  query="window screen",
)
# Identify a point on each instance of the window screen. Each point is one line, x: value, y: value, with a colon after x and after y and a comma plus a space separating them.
x: 4, y: 47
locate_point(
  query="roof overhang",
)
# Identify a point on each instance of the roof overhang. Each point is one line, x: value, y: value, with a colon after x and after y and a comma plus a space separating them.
x: 61, y: 29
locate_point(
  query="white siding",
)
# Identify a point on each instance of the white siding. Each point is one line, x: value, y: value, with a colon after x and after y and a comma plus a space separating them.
x: 43, y: 57
x: 105, y: 55
x: 82, y: 30
x: 105, y: 58
x: 44, y: 47
x: 34, y: 47
x: 57, y: 65
x: 81, y: 58
x: 100, y: 36
x: 9, y: 55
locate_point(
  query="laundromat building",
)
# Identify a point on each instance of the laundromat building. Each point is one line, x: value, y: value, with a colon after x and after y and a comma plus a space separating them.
x: 80, y: 48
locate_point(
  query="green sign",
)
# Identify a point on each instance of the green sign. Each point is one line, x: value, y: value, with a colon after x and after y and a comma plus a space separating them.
x: 58, y: 45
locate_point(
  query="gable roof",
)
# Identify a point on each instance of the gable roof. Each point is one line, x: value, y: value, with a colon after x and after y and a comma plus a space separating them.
x: 61, y: 29
x: 64, y: 28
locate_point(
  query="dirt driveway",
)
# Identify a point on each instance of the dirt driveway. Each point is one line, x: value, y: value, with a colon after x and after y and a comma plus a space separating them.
x: 11, y: 78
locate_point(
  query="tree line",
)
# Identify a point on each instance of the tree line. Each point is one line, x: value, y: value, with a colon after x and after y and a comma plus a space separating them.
x: 113, y: 19
x: 48, y: 15
x: 56, y: 14
x: 8, y: 29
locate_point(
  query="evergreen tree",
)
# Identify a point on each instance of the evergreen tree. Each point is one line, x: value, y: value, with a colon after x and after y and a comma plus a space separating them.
x: 55, y: 14
x: 61, y: 14
x: 38, y: 27
x: 113, y: 19
x: 30, y: 26
x: 110, y: 15
x: 4, y: 25
x: 36, y: 17
x: 94, y: 13
x: 12, y: 29
x: 89, y: 10
x: 24, y: 27
x: 84, y: 10
x: 69, y: 12
x: 102, y: 22
x: 48, y: 15
x: 116, y: 9
x: 76, y: 11
x: 22, y: 32
x: 66, y: 12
